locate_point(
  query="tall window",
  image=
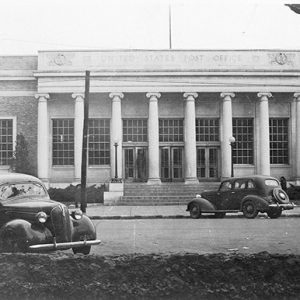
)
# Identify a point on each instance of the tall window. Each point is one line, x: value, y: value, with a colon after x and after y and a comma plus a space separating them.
x: 6, y: 141
x: 171, y: 130
x: 243, y: 131
x: 63, y: 142
x: 99, y: 142
x: 135, y: 130
x: 207, y: 130
x: 279, y: 141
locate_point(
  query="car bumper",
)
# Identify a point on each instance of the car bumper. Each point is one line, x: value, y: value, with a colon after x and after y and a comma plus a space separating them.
x: 61, y: 246
x: 283, y: 206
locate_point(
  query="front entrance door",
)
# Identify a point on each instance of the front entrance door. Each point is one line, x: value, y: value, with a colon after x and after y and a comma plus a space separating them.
x: 207, y: 162
x: 135, y: 163
x: 171, y: 162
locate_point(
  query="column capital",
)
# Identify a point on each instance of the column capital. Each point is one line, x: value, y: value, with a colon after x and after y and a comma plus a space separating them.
x: 227, y: 96
x: 118, y: 95
x: 190, y: 96
x: 78, y: 96
x: 264, y: 96
x: 41, y: 97
x: 153, y: 95
x: 297, y: 96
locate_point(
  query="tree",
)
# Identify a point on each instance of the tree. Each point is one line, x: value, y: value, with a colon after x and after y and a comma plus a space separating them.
x: 20, y: 162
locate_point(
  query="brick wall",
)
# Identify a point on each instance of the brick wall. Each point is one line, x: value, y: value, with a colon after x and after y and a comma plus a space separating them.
x: 25, y: 111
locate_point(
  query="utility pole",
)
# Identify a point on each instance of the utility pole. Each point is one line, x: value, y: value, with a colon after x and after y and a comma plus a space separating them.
x: 85, y: 142
x: 170, y: 27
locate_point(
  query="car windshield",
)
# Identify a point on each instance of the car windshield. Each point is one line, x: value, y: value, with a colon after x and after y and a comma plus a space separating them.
x: 271, y: 182
x: 21, y: 189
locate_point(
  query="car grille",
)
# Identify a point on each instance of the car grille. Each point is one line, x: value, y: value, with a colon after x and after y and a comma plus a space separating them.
x: 60, y: 218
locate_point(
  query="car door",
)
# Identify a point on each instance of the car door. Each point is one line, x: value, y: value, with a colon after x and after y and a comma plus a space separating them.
x: 239, y: 191
x: 223, y: 195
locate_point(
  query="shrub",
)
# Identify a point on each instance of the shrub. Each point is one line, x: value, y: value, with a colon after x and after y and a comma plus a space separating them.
x: 20, y: 163
x: 71, y: 193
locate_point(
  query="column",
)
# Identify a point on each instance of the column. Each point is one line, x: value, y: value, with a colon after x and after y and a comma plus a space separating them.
x: 190, y: 138
x: 78, y: 132
x: 264, y: 134
x: 43, y: 137
x: 153, y: 138
x: 116, y: 134
x: 227, y: 134
x: 297, y: 98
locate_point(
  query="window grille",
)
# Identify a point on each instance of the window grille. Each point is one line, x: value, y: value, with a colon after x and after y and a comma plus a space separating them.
x: 135, y: 130
x: 279, y: 141
x: 6, y: 141
x: 170, y: 130
x: 207, y: 130
x: 243, y: 149
x: 99, y: 142
x: 63, y: 142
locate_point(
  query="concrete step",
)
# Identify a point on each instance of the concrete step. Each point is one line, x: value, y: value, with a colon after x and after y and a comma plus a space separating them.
x: 163, y: 194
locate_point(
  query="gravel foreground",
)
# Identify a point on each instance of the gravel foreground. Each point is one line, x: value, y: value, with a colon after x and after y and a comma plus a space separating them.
x: 185, y: 276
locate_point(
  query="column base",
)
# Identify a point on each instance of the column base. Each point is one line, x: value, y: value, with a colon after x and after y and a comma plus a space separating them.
x: 76, y: 181
x: 191, y: 180
x: 154, y: 181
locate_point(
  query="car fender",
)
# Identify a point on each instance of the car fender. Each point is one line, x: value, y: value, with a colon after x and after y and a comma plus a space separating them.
x: 28, y: 233
x: 261, y: 204
x: 83, y: 228
x: 204, y: 204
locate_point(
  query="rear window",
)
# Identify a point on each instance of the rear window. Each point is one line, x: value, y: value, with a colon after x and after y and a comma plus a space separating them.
x: 271, y: 182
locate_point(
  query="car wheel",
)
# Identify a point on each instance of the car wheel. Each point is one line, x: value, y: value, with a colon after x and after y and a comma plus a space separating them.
x: 195, y: 211
x: 11, y: 242
x: 249, y: 210
x: 220, y: 215
x: 274, y: 213
x: 84, y: 250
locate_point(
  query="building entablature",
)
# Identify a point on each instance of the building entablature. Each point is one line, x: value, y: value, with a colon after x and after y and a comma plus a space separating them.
x: 169, y: 70
x: 169, y: 60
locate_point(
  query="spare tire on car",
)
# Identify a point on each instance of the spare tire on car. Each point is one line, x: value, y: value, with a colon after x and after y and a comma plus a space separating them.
x: 280, y: 196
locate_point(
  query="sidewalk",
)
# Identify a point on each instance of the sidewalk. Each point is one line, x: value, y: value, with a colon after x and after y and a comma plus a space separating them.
x: 101, y: 212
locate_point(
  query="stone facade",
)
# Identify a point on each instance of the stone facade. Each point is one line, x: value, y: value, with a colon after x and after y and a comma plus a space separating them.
x: 254, y: 94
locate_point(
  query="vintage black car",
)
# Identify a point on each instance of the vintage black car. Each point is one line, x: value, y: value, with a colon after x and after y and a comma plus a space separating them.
x: 249, y: 195
x: 30, y: 221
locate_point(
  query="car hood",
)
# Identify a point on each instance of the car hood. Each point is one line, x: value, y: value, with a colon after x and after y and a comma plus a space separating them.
x: 31, y: 204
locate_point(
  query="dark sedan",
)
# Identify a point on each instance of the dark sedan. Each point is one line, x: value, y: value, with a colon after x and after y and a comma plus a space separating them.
x: 31, y: 221
x: 249, y: 195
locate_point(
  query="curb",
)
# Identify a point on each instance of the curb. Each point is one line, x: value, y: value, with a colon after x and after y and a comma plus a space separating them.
x: 136, y: 217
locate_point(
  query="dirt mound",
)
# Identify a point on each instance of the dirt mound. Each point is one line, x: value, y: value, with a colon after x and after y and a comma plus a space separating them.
x: 184, y: 276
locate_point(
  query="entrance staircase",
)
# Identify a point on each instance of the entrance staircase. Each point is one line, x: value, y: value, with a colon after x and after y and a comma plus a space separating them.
x: 174, y: 193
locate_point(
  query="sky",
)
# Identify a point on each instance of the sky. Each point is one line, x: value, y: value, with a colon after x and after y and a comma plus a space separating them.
x: 27, y: 26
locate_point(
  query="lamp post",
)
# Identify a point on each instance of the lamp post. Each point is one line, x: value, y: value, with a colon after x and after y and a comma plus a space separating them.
x: 232, y: 142
x: 116, y: 160
x: 116, y: 179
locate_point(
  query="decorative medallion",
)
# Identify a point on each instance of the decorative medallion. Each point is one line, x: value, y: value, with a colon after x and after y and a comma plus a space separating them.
x: 60, y: 60
x: 282, y: 58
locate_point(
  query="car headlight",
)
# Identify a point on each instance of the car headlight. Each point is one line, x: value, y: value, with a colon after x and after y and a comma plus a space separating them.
x: 41, y: 217
x: 77, y: 214
x: 198, y: 196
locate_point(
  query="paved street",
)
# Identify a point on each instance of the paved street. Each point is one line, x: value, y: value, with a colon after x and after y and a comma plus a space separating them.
x: 205, y: 235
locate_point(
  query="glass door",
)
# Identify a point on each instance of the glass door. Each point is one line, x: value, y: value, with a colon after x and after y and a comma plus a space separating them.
x: 171, y: 163
x: 207, y: 162
x: 135, y: 163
